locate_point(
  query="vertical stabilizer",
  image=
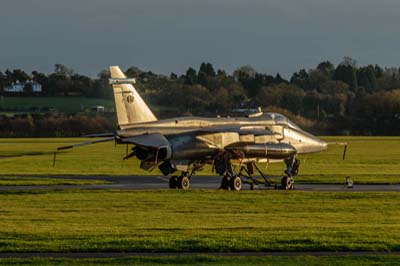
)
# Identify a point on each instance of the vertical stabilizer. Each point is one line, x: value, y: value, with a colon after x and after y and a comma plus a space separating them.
x: 130, y: 107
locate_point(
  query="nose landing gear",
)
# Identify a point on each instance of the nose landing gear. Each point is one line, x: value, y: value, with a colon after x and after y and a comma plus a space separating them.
x: 287, y: 183
x: 292, y: 169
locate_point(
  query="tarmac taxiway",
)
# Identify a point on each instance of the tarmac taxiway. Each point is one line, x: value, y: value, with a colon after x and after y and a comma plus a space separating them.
x: 197, y: 182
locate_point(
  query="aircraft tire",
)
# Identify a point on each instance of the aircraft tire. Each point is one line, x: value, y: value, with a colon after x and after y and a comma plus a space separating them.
x: 225, y: 183
x: 235, y: 183
x: 173, y: 182
x: 287, y: 183
x: 291, y: 187
x: 183, y: 183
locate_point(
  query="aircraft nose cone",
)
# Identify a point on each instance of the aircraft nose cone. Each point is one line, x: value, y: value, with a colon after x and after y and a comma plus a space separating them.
x: 324, y: 145
x: 316, y: 145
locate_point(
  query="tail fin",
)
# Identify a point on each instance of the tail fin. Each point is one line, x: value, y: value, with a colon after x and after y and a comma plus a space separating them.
x: 130, y: 107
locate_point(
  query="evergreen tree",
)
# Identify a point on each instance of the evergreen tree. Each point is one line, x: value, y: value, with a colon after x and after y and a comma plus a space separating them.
x: 208, y: 69
x: 372, y: 77
x: 19, y: 75
x: 348, y: 74
x: 190, y: 77
x: 378, y: 71
x: 202, y: 78
x: 3, y: 80
x: 301, y: 79
x: 221, y: 73
x: 279, y: 79
x: 366, y: 78
x: 326, y: 68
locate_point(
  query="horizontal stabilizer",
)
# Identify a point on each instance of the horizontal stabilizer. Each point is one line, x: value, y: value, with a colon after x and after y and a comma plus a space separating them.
x: 99, y: 135
x: 85, y: 143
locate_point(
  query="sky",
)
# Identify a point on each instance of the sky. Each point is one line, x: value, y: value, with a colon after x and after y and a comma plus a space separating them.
x: 164, y: 36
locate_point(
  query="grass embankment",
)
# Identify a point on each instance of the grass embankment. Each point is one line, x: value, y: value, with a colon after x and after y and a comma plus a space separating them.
x: 369, y: 160
x: 210, y: 260
x: 178, y: 221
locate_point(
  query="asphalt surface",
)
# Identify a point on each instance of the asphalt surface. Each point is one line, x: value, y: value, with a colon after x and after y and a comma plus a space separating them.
x: 197, y: 182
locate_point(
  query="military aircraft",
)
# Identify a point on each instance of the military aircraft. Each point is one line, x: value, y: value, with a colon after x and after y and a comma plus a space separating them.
x: 186, y: 144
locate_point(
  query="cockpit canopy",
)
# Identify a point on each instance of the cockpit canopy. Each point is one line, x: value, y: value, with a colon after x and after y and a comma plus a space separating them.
x: 283, y: 120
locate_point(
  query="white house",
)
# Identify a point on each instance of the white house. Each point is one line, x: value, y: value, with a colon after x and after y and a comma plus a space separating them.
x: 19, y: 86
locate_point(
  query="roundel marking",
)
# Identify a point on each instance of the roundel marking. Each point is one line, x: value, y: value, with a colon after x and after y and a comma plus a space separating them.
x: 130, y: 98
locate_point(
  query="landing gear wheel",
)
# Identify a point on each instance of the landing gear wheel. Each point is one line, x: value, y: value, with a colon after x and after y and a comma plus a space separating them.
x: 225, y: 183
x: 287, y: 183
x: 173, y: 182
x: 183, y: 182
x: 235, y: 183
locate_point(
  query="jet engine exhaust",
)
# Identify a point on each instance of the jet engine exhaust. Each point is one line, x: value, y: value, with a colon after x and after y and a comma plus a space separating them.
x: 149, y: 154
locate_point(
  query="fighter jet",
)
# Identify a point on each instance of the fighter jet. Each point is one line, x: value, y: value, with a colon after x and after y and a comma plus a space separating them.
x: 233, y: 145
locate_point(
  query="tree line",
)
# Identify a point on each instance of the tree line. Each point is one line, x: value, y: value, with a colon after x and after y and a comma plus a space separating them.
x: 328, y: 99
x: 63, y: 81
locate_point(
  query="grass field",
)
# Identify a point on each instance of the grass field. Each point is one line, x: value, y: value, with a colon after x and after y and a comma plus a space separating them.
x: 164, y: 220
x: 40, y: 181
x: 369, y: 160
x: 198, y: 220
x: 61, y: 104
x: 210, y: 260
x: 13, y: 105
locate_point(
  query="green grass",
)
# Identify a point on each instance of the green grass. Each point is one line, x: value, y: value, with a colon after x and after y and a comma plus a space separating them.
x: 61, y: 104
x: 42, y: 181
x: 369, y: 160
x: 212, y: 260
x: 198, y: 220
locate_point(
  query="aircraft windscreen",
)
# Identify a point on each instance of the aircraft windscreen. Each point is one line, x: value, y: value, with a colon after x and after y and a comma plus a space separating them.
x: 281, y: 119
x: 293, y: 125
x: 278, y: 118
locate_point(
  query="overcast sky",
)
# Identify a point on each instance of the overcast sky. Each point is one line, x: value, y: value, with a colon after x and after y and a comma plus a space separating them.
x: 170, y: 35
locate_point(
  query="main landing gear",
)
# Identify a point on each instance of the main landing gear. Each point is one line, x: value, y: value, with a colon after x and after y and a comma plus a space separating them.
x: 230, y: 180
x: 231, y: 183
x: 182, y: 181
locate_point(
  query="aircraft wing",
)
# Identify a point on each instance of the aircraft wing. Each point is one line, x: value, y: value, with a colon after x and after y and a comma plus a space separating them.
x: 155, y: 140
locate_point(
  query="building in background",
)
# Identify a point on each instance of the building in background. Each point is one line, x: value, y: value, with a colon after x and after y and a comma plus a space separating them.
x: 28, y: 86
